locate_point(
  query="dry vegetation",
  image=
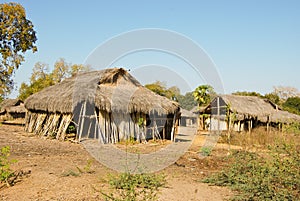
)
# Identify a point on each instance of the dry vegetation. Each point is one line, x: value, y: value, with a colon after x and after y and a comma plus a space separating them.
x: 54, y: 170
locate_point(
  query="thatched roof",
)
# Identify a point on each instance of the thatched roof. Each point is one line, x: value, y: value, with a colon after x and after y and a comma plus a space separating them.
x: 252, y: 106
x: 7, y: 103
x: 249, y: 106
x: 110, y: 89
x: 198, y: 110
x: 284, y: 117
x: 186, y: 113
x: 16, y: 109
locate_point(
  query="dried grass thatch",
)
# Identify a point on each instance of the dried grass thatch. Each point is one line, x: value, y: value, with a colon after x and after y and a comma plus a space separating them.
x: 246, y: 107
x: 16, y: 109
x: 8, y: 103
x: 186, y: 113
x: 112, y: 90
x: 109, y: 105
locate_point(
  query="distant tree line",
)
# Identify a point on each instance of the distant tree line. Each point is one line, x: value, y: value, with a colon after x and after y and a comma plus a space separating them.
x: 42, y: 78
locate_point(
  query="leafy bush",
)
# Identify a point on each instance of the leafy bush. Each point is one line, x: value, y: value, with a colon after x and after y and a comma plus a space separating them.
x: 5, y: 162
x: 206, y: 151
x: 270, y: 176
x: 293, y: 128
x: 131, y: 187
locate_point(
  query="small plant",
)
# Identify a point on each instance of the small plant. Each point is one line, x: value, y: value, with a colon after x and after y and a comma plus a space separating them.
x: 71, y: 128
x: 87, y: 168
x: 132, y: 187
x: 5, y: 162
x: 70, y: 173
x: 206, y: 151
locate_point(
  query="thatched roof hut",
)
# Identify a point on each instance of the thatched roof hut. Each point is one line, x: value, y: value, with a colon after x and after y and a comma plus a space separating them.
x: 11, y: 109
x: 7, y: 103
x: 187, y: 118
x: 112, y: 96
x: 249, y: 109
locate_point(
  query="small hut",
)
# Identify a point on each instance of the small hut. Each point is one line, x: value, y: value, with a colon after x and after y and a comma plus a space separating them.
x: 187, y: 118
x: 109, y: 105
x: 12, y: 109
x: 244, y: 113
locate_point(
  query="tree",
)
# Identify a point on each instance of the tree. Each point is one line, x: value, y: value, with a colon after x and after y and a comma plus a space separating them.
x: 61, y: 70
x: 247, y: 93
x: 40, y: 70
x: 157, y: 87
x: 274, y: 98
x: 292, y: 104
x: 187, y: 101
x: 76, y: 68
x: 160, y: 88
x: 17, y: 36
x: 41, y: 78
x: 203, y: 94
x: 285, y: 92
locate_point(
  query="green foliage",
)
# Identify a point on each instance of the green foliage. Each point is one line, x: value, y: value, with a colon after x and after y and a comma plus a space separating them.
x: 292, y: 105
x: 87, y: 168
x: 205, y: 151
x: 133, y: 187
x: 203, y: 94
x: 41, y: 78
x: 274, y: 98
x: 292, y: 128
x: 34, y: 87
x: 17, y: 36
x: 71, y: 128
x: 246, y: 93
x: 272, y: 176
x: 161, y: 89
x: 5, y: 162
x: 187, y: 101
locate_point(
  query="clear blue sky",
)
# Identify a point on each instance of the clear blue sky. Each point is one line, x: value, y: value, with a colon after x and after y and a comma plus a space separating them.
x: 254, y: 44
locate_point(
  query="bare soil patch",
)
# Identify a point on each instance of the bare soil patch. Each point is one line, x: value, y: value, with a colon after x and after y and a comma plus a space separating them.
x: 65, y: 171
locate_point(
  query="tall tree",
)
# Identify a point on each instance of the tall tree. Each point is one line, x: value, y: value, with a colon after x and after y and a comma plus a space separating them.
x: 61, y: 70
x: 76, y: 68
x: 157, y: 87
x: 203, y: 94
x: 161, y: 89
x: 41, y: 77
x: 285, y: 92
x: 187, y: 101
x: 17, y: 36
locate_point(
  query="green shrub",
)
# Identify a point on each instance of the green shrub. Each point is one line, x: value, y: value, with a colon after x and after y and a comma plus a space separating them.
x: 270, y: 176
x: 5, y: 162
x: 205, y: 151
x: 131, y: 187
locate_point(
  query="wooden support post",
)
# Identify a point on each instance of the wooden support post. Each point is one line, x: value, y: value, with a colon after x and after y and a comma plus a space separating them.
x: 249, y: 126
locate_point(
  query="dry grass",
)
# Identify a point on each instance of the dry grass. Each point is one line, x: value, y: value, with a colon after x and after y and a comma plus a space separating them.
x: 260, y: 138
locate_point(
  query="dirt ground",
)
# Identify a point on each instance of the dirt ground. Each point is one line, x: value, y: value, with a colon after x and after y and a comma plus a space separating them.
x: 55, y: 170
